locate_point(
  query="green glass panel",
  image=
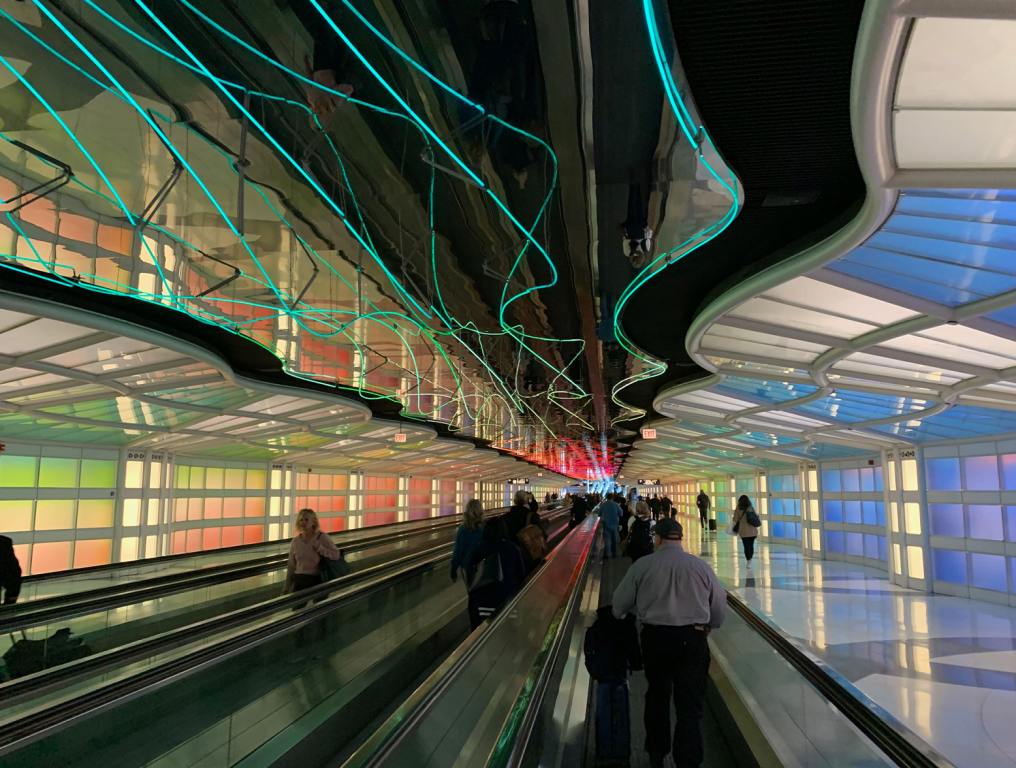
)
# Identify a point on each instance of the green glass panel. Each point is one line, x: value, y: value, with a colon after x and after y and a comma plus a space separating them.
x: 17, y: 471
x: 98, y: 473
x: 58, y: 473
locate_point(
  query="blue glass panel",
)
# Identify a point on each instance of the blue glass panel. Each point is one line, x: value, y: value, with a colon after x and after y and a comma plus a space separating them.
x: 883, y: 549
x: 776, y: 529
x: 851, y: 481
x: 855, y: 544
x: 831, y: 481
x: 836, y: 541
x: 776, y: 506
x: 833, y: 511
x: 868, y: 479
x: 762, y: 390
x: 880, y: 514
x: 1010, y: 521
x: 943, y: 474
x: 868, y: 514
x: 981, y: 473
x: 852, y: 512
x: 867, y: 265
x: 950, y: 566
x: 946, y: 519
x: 871, y: 546
x: 987, y: 571
x: 985, y: 521
x: 878, y: 479
x: 1009, y: 471
x: 957, y: 422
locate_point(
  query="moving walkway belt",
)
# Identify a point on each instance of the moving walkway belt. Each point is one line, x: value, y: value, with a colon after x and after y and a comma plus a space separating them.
x: 323, y: 599
x: 55, y: 609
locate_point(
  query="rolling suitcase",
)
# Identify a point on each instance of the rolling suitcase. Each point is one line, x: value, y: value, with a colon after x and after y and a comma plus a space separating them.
x: 613, y: 722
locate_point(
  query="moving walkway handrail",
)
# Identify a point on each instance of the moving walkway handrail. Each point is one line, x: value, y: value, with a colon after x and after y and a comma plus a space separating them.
x: 391, y: 732
x: 54, y: 677
x: 145, y: 561
x: 39, y: 723
x: 897, y: 741
x: 60, y: 607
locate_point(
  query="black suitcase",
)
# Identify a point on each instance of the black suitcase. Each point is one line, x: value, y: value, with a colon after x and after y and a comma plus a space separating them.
x: 613, y: 721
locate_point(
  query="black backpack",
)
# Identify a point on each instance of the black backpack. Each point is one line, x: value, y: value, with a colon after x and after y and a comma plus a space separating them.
x: 752, y: 517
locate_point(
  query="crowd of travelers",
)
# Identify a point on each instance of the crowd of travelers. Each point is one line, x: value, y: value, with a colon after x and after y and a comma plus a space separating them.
x: 658, y: 621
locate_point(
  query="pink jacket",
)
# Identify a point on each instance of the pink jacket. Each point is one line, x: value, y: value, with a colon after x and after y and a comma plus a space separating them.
x: 305, y: 556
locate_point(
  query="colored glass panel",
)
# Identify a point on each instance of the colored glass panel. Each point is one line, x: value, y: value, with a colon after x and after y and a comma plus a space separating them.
x: 946, y: 519
x: 981, y: 473
x: 985, y: 521
x: 95, y: 513
x: 98, y: 473
x: 58, y: 473
x: 943, y: 474
x: 49, y: 556
x: 15, y: 515
x: 19, y: 471
x: 91, y: 552
x: 54, y: 514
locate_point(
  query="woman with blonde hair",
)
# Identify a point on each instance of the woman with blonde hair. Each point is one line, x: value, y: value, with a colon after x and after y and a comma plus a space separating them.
x: 309, y: 547
x: 466, y: 539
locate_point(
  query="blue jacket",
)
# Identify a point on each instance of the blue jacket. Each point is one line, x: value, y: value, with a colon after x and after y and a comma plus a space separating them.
x: 465, y: 542
x: 610, y: 514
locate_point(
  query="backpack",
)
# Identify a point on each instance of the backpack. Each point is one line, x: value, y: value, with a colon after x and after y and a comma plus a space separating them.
x: 752, y: 517
x: 532, y: 542
x: 488, y: 572
x: 640, y: 540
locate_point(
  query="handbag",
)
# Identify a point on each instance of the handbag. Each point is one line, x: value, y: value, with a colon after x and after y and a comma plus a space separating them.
x: 489, y: 572
x: 333, y: 569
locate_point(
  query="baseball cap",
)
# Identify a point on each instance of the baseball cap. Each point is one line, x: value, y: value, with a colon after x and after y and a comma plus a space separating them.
x: 669, y: 529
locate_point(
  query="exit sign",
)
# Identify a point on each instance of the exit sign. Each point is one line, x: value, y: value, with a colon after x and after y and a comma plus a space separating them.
x: 400, y: 437
x: 648, y: 433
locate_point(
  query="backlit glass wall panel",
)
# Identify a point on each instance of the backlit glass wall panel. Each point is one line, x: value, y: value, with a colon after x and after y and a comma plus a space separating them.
x: 58, y: 505
x: 971, y: 498
x: 853, y: 511
x: 783, y: 513
x: 327, y: 493
x: 908, y: 530
x: 217, y: 505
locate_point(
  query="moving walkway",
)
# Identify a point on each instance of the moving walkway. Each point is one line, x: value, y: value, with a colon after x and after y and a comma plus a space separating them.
x: 260, y: 679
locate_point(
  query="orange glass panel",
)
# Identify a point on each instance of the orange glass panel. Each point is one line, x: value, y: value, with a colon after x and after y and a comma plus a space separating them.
x: 22, y: 552
x: 179, y: 543
x: 116, y: 239
x: 179, y: 510
x: 252, y: 534
x: 194, y: 540
x: 89, y: 552
x: 232, y: 536
x: 232, y: 508
x: 211, y: 538
x: 49, y: 556
x: 213, y: 509
x: 194, y: 509
x: 254, y: 506
x: 54, y: 514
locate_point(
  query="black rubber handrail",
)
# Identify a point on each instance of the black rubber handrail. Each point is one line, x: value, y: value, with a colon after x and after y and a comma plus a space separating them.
x: 72, y: 604
x: 379, y: 745
x: 898, y: 743
x: 54, y: 677
x: 37, y: 723
x: 73, y: 572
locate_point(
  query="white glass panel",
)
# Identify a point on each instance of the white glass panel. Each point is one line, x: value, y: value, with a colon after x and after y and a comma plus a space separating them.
x: 947, y: 139
x: 809, y: 292
x: 958, y: 62
x: 795, y: 317
x: 920, y: 345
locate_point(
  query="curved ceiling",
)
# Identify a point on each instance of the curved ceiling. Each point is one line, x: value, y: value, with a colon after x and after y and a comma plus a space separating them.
x: 900, y: 330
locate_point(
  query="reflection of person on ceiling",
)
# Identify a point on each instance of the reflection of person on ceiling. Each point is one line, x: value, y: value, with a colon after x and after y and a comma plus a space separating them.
x: 332, y: 60
x: 504, y: 79
x: 637, y: 237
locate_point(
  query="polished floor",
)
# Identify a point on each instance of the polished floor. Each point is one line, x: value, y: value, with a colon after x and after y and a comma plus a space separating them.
x: 944, y: 667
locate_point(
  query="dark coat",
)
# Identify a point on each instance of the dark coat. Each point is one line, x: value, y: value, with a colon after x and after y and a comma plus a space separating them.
x: 612, y: 647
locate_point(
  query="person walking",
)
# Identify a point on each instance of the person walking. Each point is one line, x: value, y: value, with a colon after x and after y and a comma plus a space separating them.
x: 640, y: 540
x: 467, y: 537
x: 702, y: 502
x: 498, y: 572
x: 516, y: 518
x: 745, y: 524
x: 10, y: 571
x: 678, y: 600
x: 610, y: 517
x: 308, y: 548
